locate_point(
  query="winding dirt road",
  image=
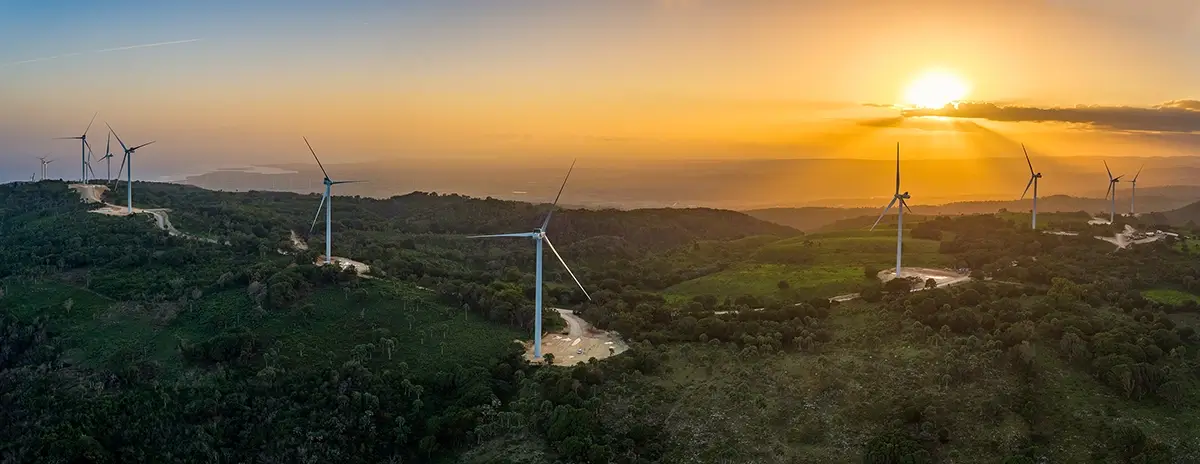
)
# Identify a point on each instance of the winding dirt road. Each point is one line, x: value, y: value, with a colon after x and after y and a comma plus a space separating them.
x: 92, y: 194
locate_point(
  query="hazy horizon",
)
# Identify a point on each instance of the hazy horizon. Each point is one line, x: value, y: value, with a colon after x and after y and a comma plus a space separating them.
x: 225, y: 83
x: 730, y: 184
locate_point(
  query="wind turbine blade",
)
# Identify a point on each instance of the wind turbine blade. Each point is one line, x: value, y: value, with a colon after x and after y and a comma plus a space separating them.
x: 1108, y: 170
x: 1118, y: 178
x: 114, y: 133
x: 1030, y: 184
x: 314, y: 153
x: 117, y: 180
x: 88, y: 145
x: 66, y: 138
x: 89, y: 168
x: 1139, y: 172
x: 318, y: 216
x: 897, y: 168
x: 142, y: 145
x: 568, y: 268
x: 89, y: 126
x: 108, y: 146
x: 885, y: 211
x: 1107, y: 192
x: 905, y: 205
x: 1028, y: 162
x: 554, y: 205
x: 347, y: 182
x: 523, y: 234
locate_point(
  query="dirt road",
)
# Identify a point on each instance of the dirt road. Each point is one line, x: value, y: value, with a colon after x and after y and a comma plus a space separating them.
x: 1126, y: 238
x: 361, y: 268
x: 92, y: 194
x: 580, y: 343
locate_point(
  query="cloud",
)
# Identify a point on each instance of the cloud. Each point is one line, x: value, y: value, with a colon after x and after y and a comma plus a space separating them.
x: 1177, y: 116
x: 129, y: 47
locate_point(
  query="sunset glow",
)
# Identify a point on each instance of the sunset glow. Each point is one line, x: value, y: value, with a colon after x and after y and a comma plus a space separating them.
x: 936, y: 89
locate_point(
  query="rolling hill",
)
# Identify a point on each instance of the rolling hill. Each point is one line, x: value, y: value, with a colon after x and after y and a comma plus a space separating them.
x: 122, y: 343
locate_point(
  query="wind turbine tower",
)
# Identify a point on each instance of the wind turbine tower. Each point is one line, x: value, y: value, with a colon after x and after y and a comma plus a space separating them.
x: 1133, y: 190
x: 107, y: 158
x: 901, y: 198
x: 1112, y: 192
x: 539, y: 235
x: 327, y: 204
x: 83, y: 149
x: 127, y: 165
x: 45, y: 162
x: 1033, y: 181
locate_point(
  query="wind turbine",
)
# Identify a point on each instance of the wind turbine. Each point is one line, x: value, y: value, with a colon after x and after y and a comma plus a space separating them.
x: 107, y: 158
x: 127, y: 165
x: 83, y: 149
x: 1112, y: 191
x: 539, y: 235
x: 897, y: 197
x: 45, y: 162
x: 1033, y: 181
x: 1133, y: 189
x: 327, y: 203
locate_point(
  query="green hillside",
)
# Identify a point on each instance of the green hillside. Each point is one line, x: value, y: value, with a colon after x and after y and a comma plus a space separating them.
x: 119, y: 343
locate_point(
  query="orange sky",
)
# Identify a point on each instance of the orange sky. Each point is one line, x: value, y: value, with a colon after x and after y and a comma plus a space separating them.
x: 671, y: 78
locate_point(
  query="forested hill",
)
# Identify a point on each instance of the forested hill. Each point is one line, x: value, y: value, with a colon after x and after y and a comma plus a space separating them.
x: 432, y: 213
x: 1187, y: 215
x: 122, y: 343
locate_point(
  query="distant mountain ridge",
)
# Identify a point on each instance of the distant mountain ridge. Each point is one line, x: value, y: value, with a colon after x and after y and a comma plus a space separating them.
x: 736, y: 184
x: 815, y: 218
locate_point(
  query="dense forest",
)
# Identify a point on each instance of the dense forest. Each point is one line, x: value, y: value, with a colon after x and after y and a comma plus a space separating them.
x: 120, y: 343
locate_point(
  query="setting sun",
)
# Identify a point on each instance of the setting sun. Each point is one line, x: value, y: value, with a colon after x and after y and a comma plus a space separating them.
x: 935, y: 89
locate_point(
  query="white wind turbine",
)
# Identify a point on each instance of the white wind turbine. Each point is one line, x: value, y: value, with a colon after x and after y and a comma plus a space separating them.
x: 327, y: 204
x: 897, y: 197
x: 45, y: 162
x: 127, y: 165
x: 107, y: 158
x: 1112, y: 192
x: 1133, y: 189
x: 83, y: 149
x: 1033, y: 181
x: 539, y: 235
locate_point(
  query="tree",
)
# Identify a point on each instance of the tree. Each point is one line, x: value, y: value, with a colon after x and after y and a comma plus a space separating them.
x: 389, y: 344
x: 898, y: 285
x: 930, y: 283
x: 548, y: 358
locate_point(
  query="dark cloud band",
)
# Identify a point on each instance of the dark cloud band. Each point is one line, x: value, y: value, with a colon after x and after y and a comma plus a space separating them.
x: 1173, y: 116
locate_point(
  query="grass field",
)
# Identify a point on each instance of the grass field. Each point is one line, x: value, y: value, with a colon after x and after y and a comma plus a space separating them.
x: 763, y: 280
x: 818, y: 265
x: 97, y: 330
x: 861, y: 248
x: 1168, y: 296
